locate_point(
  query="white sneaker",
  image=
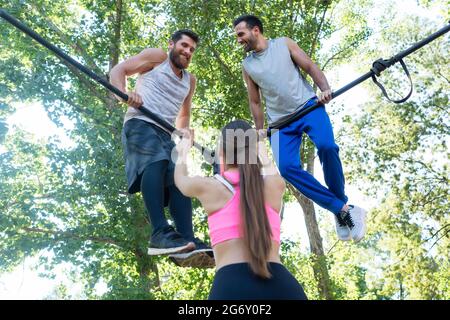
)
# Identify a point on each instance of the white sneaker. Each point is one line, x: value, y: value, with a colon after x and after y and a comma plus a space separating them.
x: 355, y: 219
x: 342, y: 229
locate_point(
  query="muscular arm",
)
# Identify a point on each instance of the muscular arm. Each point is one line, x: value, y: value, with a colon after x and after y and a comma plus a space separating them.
x: 306, y: 64
x: 184, y: 116
x: 254, y: 99
x: 140, y: 63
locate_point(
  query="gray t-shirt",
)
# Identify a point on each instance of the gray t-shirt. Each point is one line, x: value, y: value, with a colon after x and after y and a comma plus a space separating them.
x: 279, y: 79
x: 162, y: 92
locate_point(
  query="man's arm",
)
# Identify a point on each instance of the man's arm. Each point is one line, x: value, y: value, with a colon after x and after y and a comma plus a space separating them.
x: 184, y: 116
x: 140, y: 63
x: 254, y: 100
x: 306, y: 64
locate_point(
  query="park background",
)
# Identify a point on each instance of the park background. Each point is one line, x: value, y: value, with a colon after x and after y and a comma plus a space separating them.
x: 69, y: 230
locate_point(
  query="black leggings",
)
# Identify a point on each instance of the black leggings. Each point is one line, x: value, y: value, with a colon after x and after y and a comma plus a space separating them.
x: 238, y: 282
x: 153, y: 191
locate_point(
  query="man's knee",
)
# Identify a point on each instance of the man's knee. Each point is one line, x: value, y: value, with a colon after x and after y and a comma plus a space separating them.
x: 327, y: 147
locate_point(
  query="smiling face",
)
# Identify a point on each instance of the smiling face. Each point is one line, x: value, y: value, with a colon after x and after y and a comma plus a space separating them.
x: 181, y: 52
x: 246, y: 37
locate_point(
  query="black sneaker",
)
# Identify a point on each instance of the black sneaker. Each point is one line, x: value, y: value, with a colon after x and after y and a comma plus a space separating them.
x: 200, y: 245
x: 167, y: 241
x: 194, y: 259
x: 201, y: 257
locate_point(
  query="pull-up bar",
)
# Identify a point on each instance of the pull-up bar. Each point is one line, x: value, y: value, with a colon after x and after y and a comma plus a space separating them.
x: 209, y: 155
x: 377, y: 67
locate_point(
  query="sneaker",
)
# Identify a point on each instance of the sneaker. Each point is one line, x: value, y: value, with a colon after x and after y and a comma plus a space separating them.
x: 342, y: 229
x: 201, y: 257
x: 167, y: 241
x: 355, y: 219
x: 200, y: 245
x: 194, y: 259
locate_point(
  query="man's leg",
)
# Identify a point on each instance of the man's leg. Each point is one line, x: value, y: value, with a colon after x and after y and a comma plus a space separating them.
x: 165, y: 239
x: 319, y: 129
x: 181, y: 212
x: 286, y: 146
x: 152, y: 188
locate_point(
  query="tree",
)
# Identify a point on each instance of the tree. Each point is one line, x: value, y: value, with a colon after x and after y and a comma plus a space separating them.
x: 401, y: 152
x: 80, y: 191
x: 72, y: 201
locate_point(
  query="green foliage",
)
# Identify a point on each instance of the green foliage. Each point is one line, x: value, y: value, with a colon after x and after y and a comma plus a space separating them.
x: 70, y: 200
x: 301, y: 267
x: 401, y: 152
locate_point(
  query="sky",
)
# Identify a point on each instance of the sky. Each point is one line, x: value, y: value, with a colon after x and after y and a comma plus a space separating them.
x: 24, y: 282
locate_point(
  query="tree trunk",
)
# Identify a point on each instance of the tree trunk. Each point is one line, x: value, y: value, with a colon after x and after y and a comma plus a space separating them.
x: 115, y: 44
x: 114, y: 49
x: 315, y: 240
x: 307, y: 155
x: 147, y: 268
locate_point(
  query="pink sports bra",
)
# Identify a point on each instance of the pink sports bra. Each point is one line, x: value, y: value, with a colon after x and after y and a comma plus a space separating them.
x: 224, y: 224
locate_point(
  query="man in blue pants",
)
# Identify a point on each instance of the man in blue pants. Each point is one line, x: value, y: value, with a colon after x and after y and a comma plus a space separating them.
x: 272, y: 70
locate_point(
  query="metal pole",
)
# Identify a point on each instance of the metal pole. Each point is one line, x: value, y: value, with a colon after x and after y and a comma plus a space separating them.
x: 368, y: 75
x: 19, y: 25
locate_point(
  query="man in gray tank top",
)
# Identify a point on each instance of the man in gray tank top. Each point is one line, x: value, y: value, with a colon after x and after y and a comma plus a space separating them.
x: 164, y: 87
x: 272, y: 69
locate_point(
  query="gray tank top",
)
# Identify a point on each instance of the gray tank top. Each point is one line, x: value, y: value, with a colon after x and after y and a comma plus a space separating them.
x: 163, y: 93
x: 283, y: 88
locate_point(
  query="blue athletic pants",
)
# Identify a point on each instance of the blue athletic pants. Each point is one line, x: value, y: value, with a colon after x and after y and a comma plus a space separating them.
x: 285, y: 145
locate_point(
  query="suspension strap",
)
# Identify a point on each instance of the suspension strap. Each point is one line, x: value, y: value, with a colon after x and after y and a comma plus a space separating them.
x: 381, y: 65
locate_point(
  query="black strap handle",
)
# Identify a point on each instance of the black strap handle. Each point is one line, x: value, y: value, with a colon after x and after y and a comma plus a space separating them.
x: 379, y: 66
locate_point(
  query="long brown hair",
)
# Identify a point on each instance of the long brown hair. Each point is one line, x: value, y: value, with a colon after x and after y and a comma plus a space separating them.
x: 239, y: 146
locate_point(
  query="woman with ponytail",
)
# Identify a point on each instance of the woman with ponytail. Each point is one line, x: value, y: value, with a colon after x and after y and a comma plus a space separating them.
x: 243, y: 208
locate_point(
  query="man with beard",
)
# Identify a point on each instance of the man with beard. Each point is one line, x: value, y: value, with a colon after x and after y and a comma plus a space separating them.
x: 272, y: 69
x: 165, y: 88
